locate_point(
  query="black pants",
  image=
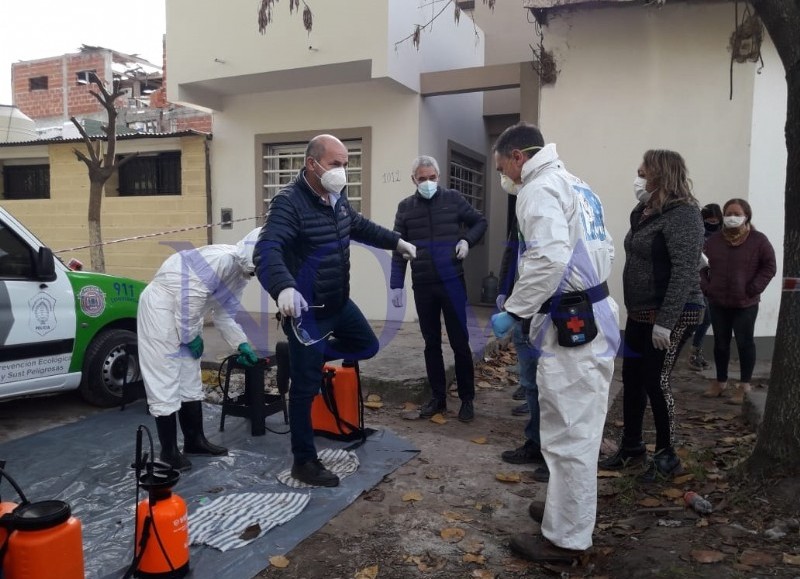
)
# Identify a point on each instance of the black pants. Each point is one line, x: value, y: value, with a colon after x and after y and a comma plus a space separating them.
x: 739, y: 322
x: 646, y: 375
x: 448, y: 300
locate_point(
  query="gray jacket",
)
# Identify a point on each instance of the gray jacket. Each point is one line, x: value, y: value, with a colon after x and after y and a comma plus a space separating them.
x: 662, y: 255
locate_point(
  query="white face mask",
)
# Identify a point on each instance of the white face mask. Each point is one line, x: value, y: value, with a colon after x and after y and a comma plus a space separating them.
x: 333, y: 180
x: 427, y: 188
x: 733, y: 221
x: 508, y: 185
x: 640, y: 189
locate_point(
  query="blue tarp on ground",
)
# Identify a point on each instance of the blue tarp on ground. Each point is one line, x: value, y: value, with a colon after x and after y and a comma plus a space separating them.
x: 88, y: 465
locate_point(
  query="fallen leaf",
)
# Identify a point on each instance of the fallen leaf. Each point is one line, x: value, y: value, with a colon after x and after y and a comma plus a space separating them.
x: 679, y: 480
x: 483, y: 384
x: 408, y: 406
x: 432, y: 475
x: 374, y: 398
x: 473, y: 558
x: 682, y: 452
x: 755, y: 558
x: 649, y: 502
x: 604, y: 526
x: 650, y: 447
x: 702, y: 556
x: 619, y: 423
x: 251, y: 532
x: 438, y: 419
x: 479, y: 440
x: 373, y: 404
x: 702, y: 522
x: 452, y: 534
x: 279, y: 561
x: 412, y: 559
x: 791, y: 559
x: 454, y: 516
x: 482, y: 574
x: 473, y: 547
x: 608, y: 474
x: 412, y: 496
x: 512, y: 477
x: 672, y: 493
x: 367, y: 573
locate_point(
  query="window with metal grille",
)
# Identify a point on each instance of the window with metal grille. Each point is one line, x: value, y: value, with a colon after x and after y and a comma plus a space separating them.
x: 158, y: 174
x: 281, y: 163
x: 37, y: 83
x: 26, y: 182
x: 466, y: 175
x: 84, y: 77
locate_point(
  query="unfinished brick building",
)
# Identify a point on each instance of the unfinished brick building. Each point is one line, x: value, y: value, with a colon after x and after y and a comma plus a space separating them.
x: 51, y: 90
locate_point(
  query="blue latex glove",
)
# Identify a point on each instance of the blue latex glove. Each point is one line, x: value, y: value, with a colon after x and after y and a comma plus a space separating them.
x: 196, y: 347
x: 500, y: 301
x: 502, y: 324
x: 247, y: 357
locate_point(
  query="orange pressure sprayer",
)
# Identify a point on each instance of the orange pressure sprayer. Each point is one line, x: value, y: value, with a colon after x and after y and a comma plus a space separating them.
x: 39, y: 539
x: 161, y: 549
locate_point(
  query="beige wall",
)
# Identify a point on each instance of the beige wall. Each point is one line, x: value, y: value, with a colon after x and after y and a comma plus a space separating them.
x: 60, y: 222
x: 632, y: 79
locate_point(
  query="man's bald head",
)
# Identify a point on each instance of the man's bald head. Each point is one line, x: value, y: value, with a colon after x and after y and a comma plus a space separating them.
x: 320, y: 144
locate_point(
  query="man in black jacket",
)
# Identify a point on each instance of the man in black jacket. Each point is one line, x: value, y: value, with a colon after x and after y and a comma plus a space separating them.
x: 303, y: 260
x: 443, y: 226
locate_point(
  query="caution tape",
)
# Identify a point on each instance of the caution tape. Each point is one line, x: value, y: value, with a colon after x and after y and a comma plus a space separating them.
x: 157, y: 234
x: 791, y: 284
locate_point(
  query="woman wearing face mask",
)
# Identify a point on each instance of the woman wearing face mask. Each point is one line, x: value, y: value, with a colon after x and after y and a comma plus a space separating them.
x: 712, y: 222
x: 664, y: 302
x: 741, y: 263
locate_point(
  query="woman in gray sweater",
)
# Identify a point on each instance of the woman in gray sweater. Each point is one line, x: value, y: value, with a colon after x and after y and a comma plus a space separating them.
x: 664, y: 303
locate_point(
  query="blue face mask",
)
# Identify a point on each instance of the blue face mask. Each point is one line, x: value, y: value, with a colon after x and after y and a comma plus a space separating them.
x: 427, y: 188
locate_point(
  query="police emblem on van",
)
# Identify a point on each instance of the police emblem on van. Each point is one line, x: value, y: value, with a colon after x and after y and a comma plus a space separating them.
x: 43, y: 315
x: 92, y: 300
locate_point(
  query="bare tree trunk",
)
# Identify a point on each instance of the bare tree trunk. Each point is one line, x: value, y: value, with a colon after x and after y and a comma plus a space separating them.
x: 777, y: 449
x: 96, y: 254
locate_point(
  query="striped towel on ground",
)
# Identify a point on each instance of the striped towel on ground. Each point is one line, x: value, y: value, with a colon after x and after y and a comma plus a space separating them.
x: 340, y: 462
x: 222, y: 522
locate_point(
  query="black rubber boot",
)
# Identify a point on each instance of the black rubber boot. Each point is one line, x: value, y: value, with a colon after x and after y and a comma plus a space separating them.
x: 194, y: 440
x: 167, y: 428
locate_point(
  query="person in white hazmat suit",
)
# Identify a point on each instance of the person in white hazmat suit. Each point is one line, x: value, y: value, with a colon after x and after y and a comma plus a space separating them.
x: 172, y: 308
x: 566, y: 255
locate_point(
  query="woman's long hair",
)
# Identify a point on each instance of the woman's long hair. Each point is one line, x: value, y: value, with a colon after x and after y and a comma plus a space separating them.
x: 667, y: 179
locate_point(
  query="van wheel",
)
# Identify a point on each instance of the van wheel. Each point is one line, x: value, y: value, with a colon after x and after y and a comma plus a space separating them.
x: 104, y: 368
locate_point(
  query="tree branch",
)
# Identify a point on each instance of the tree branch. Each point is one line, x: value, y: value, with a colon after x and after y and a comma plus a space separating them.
x: 86, y: 139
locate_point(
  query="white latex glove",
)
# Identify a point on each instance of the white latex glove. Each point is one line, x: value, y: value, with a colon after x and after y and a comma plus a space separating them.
x: 407, y: 250
x: 661, y: 337
x: 397, y: 297
x: 291, y: 302
x: 501, y: 301
x: 462, y: 249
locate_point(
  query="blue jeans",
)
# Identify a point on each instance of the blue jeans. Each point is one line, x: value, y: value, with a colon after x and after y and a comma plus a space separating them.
x: 528, y: 358
x: 352, y: 339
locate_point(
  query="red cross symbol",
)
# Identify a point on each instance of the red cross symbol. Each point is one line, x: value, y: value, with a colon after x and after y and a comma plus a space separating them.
x: 575, y: 324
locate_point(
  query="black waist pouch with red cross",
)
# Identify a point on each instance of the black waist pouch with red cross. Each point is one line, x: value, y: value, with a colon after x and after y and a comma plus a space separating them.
x: 573, y: 315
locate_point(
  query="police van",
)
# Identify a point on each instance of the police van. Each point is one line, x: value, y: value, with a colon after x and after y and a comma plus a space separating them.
x: 62, y: 329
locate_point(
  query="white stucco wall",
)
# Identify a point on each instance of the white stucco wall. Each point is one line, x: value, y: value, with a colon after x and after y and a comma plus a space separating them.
x: 200, y: 31
x: 767, y: 185
x: 635, y: 78
x: 393, y: 117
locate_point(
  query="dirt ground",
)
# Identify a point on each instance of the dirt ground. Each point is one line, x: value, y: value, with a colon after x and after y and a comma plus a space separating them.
x: 446, y: 513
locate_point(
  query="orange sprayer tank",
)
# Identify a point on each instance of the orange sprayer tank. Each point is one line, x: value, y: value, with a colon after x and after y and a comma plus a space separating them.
x: 346, y: 397
x: 5, y: 508
x: 168, y: 528
x: 46, y: 542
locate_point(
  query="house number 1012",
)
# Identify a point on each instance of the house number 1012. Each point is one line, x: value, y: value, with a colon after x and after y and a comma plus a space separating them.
x: 392, y: 176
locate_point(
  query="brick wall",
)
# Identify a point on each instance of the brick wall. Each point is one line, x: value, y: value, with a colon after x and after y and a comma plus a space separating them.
x: 39, y: 104
x: 60, y: 221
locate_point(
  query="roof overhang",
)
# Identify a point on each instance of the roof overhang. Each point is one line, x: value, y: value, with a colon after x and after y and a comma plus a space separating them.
x: 211, y: 92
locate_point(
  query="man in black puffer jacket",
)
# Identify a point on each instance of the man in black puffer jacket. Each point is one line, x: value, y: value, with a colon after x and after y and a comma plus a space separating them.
x: 302, y: 259
x: 443, y: 226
